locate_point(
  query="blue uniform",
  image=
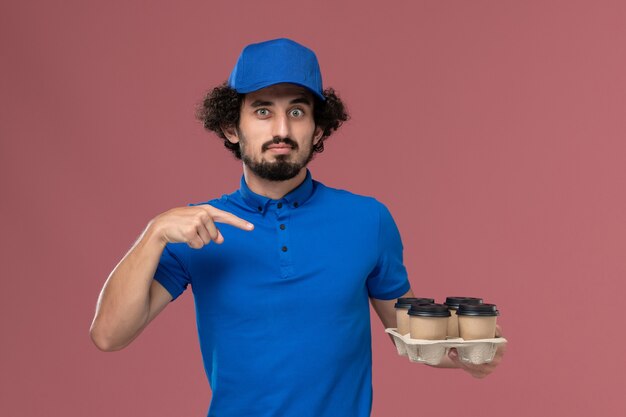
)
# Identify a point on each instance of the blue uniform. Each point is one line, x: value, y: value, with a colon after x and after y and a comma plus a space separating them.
x: 283, y: 311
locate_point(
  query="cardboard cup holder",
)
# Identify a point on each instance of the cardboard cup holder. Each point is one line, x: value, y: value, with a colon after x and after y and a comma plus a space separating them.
x: 431, y: 352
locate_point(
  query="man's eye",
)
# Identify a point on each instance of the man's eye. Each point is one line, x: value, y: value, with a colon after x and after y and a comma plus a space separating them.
x: 263, y: 112
x: 297, y: 113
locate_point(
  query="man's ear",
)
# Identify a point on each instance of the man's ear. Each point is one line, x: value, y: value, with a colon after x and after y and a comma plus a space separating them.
x: 317, y: 134
x: 231, y: 133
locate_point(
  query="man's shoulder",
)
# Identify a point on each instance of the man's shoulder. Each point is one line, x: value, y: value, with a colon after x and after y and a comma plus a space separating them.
x: 219, y: 202
x: 349, y: 197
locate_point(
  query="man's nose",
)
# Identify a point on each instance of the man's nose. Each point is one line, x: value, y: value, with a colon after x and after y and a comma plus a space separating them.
x: 281, y: 126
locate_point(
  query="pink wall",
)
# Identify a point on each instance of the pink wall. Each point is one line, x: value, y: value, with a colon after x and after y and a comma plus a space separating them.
x: 494, y: 131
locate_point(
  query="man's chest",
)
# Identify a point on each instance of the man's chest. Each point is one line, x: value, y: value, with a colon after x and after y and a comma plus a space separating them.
x: 322, y: 260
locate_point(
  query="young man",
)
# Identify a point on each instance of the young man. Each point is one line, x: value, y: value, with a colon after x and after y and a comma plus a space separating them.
x: 282, y: 300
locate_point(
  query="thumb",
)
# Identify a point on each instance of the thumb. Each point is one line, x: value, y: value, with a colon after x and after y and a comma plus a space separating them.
x: 454, y: 357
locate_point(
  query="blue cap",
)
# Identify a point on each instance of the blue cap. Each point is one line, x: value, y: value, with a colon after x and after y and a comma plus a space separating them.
x: 277, y: 61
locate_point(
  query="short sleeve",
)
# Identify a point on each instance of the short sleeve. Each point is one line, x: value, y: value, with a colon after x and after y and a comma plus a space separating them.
x: 388, y: 279
x: 171, y: 271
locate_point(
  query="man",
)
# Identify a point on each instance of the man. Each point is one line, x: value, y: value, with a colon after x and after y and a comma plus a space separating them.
x: 282, y: 300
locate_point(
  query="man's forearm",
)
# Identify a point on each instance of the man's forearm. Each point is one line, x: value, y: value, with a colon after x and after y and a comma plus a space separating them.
x: 124, y: 303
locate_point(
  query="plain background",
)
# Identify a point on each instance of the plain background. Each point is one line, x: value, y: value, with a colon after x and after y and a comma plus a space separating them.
x: 493, y: 130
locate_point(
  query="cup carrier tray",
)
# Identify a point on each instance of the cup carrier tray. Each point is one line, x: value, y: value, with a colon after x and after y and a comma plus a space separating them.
x: 432, y: 351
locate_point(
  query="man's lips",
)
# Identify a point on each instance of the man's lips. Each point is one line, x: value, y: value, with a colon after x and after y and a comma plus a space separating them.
x: 280, y: 148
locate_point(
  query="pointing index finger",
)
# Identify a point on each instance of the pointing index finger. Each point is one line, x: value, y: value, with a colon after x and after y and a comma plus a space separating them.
x: 221, y: 216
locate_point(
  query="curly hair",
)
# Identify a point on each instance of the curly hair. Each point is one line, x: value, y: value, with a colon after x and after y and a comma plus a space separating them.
x: 221, y: 107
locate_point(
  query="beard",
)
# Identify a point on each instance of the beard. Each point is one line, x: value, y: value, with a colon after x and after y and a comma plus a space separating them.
x: 279, y: 170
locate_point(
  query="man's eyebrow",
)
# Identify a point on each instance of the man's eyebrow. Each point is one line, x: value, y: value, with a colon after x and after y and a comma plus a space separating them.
x: 301, y: 100
x: 259, y: 103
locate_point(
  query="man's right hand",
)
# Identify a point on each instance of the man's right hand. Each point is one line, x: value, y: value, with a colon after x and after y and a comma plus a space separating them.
x: 195, y: 225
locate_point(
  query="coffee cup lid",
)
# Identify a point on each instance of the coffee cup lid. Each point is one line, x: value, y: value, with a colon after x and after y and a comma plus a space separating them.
x: 478, y: 310
x: 454, y: 302
x: 429, y: 310
x: 407, y: 302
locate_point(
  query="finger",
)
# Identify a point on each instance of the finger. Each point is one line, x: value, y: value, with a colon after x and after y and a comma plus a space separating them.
x: 498, y: 331
x: 212, y: 229
x: 220, y: 238
x: 196, y: 242
x: 454, y: 355
x: 222, y: 216
x: 500, y: 350
x: 495, y: 361
x: 204, y: 233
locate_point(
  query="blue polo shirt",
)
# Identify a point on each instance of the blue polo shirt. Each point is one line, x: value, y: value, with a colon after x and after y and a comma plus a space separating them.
x: 282, y: 311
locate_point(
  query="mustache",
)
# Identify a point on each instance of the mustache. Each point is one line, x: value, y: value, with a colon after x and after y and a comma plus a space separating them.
x: 277, y: 140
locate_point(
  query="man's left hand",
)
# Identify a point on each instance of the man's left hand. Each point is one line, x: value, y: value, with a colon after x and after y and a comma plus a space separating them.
x: 480, y: 371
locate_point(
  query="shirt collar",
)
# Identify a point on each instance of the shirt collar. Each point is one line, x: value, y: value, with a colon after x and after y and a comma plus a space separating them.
x: 295, y: 198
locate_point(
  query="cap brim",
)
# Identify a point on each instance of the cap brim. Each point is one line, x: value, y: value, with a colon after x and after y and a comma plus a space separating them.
x: 259, y: 86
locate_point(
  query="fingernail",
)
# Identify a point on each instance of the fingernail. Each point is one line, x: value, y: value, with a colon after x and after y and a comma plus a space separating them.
x: 250, y: 226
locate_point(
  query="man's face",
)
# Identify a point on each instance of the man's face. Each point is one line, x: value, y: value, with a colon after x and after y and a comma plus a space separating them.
x: 277, y: 131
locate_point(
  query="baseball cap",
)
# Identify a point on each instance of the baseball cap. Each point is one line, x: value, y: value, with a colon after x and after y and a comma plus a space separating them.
x: 276, y: 61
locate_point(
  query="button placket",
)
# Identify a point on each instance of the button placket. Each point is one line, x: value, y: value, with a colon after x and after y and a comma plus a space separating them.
x: 282, y: 221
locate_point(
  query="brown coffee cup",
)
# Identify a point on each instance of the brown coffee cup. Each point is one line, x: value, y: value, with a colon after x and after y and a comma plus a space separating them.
x: 402, y: 307
x: 453, y: 304
x: 477, y: 321
x: 428, y: 321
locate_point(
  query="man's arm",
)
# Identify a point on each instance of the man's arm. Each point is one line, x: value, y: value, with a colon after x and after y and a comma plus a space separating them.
x: 386, y: 311
x: 130, y: 298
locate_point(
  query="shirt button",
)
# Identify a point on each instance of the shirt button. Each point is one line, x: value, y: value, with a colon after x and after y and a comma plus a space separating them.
x: 282, y: 227
x: 279, y: 205
x: 260, y: 208
x: 284, y: 248
x: 295, y: 204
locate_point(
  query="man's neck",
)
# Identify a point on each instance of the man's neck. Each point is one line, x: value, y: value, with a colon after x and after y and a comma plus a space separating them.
x: 272, y: 189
